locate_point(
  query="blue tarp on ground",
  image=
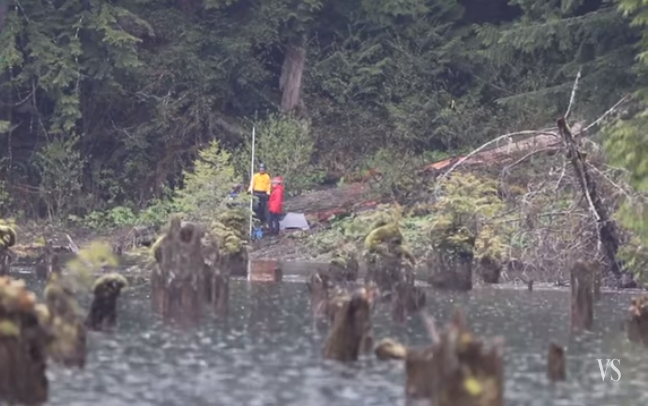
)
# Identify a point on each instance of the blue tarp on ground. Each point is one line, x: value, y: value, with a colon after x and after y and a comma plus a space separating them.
x: 294, y: 221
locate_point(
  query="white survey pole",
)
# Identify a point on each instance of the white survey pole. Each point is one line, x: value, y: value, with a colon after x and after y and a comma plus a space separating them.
x: 252, y: 178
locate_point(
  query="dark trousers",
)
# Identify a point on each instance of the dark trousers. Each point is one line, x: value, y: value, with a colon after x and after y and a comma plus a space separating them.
x: 261, y: 207
x: 274, y: 223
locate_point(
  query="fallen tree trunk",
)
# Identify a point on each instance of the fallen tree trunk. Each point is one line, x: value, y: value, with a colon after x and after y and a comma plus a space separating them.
x: 606, y: 227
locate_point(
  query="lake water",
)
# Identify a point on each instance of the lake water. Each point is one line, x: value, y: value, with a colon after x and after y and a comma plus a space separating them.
x: 268, y: 353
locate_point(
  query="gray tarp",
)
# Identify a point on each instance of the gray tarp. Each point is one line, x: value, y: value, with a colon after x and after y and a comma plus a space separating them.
x: 294, y: 220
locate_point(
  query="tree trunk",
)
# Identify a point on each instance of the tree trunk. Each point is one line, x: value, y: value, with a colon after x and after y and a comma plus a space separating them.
x: 606, y: 227
x: 290, y: 82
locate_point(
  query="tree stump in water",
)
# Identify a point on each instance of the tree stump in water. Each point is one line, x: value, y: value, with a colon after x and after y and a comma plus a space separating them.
x: 185, y: 258
x: 103, y: 310
x: 5, y: 261
x: 7, y: 240
x: 489, y: 269
x: 350, y: 334
x: 388, y: 260
x: 23, y: 346
x: 556, y: 363
x: 582, y: 300
x: 637, y: 324
x: 407, y: 299
x: 344, y: 267
x: 450, y: 270
x: 456, y: 370
x: 69, y: 344
x: 319, y: 286
x: 597, y: 281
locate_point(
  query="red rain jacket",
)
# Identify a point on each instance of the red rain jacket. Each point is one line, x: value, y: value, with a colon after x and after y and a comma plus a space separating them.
x: 275, y: 202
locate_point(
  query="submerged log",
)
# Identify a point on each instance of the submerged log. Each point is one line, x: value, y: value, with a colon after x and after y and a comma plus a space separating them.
x: 103, y: 310
x: 582, y: 297
x: 350, y: 334
x: 606, y: 226
x: 23, y: 346
x: 186, y: 256
x: 637, y: 324
x: 556, y: 363
x: 69, y: 345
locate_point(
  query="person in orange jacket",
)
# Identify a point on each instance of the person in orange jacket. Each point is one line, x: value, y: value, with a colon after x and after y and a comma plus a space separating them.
x: 275, y: 204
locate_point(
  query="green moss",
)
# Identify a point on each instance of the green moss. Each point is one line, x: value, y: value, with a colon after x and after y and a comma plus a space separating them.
x: 8, y: 235
x: 112, y: 277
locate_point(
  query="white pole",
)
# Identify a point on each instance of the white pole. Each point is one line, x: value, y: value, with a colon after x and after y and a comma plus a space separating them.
x: 252, y: 176
x: 249, y: 265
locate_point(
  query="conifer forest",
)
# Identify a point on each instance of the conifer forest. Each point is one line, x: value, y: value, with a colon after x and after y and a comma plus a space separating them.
x: 106, y: 104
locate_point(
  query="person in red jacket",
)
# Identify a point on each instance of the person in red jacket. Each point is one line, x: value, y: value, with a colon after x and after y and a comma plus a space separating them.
x: 275, y: 203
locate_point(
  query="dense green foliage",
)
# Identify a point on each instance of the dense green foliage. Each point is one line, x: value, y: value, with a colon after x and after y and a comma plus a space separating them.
x: 107, y: 103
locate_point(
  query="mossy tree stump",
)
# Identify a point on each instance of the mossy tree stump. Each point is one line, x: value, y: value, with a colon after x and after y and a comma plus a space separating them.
x: 350, y: 334
x: 7, y: 240
x: 388, y: 260
x: 344, y: 267
x: 556, y: 370
x: 582, y: 297
x: 637, y: 324
x: 450, y: 269
x: 231, y: 229
x: 103, y: 309
x: 185, y: 257
x: 23, y: 346
x: 69, y: 346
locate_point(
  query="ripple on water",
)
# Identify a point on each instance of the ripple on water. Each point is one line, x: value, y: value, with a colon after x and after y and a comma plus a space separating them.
x: 268, y: 354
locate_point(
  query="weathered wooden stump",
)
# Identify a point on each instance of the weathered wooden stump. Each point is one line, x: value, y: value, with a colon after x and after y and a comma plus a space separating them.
x: 582, y: 300
x: 350, y: 334
x: 69, y: 343
x: 7, y: 240
x: 464, y: 371
x: 188, y: 273
x: 597, y: 269
x: 319, y: 286
x: 449, y: 270
x: 637, y: 323
x: 5, y: 261
x: 407, y: 299
x: 456, y: 369
x: 103, y: 310
x: 23, y: 346
x: 388, y: 260
x: 489, y: 269
x: 344, y: 267
x: 556, y: 370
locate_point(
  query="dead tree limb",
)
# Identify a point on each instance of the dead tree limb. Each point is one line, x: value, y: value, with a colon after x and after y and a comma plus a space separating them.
x: 606, y: 227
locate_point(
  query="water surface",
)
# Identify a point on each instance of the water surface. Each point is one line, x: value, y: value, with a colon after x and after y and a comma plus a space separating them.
x: 268, y: 353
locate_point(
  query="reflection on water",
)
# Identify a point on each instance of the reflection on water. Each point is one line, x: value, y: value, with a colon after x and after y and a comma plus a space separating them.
x: 267, y: 353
